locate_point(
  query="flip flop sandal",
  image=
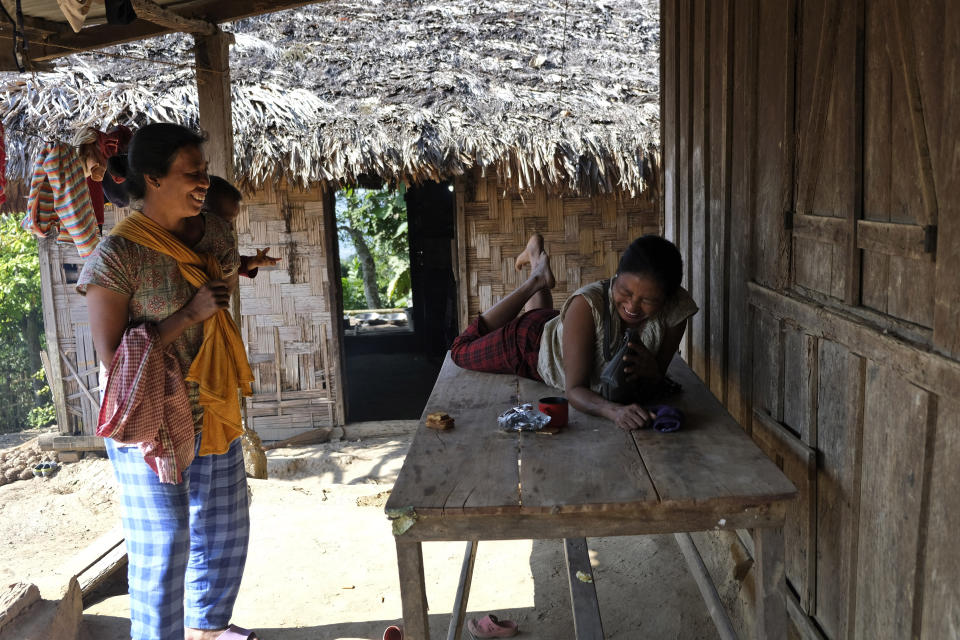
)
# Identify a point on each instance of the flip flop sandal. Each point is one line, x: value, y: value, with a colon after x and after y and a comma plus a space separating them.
x: 393, y: 632
x: 233, y: 632
x: 490, y: 626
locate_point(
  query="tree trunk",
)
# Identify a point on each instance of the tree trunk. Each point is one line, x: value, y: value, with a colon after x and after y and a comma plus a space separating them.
x: 368, y: 268
x: 32, y: 329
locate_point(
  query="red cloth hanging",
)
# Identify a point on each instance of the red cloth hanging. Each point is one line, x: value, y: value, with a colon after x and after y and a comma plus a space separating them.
x: 96, y: 199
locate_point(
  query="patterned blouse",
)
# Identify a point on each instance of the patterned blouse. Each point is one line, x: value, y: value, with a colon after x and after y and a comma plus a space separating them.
x: 156, y: 288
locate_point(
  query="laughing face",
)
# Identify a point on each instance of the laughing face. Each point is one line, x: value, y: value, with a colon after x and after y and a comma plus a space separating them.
x: 184, y: 188
x: 637, y: 297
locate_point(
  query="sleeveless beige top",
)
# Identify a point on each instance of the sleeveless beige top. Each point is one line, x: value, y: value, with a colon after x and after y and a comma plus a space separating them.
x: 675, y: 310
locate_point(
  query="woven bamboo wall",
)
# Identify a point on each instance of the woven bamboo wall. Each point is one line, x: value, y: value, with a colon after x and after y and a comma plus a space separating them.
x: 70, y: 362
x: 286, y: 314
x: 583, y: 235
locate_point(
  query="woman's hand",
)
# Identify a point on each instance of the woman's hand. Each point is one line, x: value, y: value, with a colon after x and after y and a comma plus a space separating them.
x: 630, y: 417
x: 262, y: 259
x: 210, y: 298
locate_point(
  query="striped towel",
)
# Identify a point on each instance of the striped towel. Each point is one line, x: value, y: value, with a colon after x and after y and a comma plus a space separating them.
x: 59, y: 200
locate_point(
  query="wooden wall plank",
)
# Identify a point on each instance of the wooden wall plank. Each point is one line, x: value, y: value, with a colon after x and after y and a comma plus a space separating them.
x: 926, y: 369
x: 767, y: 365
x: 827, y: 156
x: 720, y: 97
x: 799, y: 463
x: 669, y: 82
x: 699, y: 282
x: 897, y: 416
x: 946, y: 337
x: 940, y: 587
x: 774, y: 149
x: 684, y: 133
x: 839, y: 425
x: 742, y: 206
x: 799, y: 382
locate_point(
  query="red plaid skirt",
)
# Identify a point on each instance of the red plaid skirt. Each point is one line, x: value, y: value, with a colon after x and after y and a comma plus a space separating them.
x: 513, y: 348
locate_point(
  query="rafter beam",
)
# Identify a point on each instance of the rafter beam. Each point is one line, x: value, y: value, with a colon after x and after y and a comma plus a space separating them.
x: 152, y: 12
x: 65, y: 42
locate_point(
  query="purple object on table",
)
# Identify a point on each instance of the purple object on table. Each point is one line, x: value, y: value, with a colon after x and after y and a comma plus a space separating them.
x: 666, y: 418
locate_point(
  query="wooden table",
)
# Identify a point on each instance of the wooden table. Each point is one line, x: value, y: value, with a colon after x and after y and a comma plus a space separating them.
x: 475, y: 482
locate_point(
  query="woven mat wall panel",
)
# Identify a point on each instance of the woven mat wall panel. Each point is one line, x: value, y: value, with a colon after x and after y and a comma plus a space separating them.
x: 285, y: 313
x: 584, y: 237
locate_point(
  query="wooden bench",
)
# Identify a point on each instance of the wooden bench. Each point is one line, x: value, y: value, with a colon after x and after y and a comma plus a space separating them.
x: 592, y: 479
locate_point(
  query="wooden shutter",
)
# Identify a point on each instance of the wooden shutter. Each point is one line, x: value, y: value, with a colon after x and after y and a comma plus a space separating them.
x: 897, y: 234
x: 823, y: 258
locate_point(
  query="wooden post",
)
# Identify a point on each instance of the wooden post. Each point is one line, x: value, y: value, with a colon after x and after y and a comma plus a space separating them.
x: 51, y: 359
x: 771, y: 606
x: 212, y: 57
x: 463, y: 591
x: 413, y: 590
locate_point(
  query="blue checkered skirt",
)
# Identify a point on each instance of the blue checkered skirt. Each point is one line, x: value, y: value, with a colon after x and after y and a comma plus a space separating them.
x: 186, y: 542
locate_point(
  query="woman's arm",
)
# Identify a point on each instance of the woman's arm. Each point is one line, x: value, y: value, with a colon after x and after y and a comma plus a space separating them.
x: 108, y: 312
x: 578, y: 357
x: 109, y: 316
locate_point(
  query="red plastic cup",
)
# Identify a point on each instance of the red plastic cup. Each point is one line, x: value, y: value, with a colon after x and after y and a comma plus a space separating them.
x: 556, y: 408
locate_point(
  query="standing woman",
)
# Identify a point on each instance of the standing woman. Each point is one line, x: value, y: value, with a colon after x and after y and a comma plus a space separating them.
x: 156, y: 291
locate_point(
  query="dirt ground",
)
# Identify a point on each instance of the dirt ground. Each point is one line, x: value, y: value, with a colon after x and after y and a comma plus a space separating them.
x: 322, y: 566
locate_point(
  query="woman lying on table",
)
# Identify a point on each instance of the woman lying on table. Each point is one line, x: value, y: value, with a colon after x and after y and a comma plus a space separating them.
x: 569, y: 349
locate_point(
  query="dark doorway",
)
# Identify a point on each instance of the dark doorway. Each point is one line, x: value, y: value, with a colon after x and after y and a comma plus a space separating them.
x: 390, y: 373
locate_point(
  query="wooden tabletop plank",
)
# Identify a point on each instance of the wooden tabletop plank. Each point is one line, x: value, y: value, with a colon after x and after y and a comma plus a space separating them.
x: 474, y: 464
x: 710, y: 457
x: 588, y: 466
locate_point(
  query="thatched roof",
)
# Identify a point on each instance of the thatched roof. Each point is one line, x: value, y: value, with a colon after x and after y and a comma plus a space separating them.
x: 561, y: 92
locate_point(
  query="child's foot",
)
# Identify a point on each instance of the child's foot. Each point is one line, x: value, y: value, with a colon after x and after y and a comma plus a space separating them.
x: 540, y: 270
x: 533, y: 249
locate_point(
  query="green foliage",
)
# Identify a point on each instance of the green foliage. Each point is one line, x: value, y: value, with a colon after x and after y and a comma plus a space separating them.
x: 42, y: 415
x: 380, y: 216
x: 352, y: 285
x: 19, y: 273
x: 20, y: 321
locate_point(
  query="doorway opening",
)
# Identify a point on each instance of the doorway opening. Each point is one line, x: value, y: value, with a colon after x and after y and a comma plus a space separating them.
x: 397, y: 280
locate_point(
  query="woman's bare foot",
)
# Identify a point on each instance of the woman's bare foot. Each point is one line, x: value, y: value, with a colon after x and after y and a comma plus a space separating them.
x: 533, y: 249
x: 540, y: 270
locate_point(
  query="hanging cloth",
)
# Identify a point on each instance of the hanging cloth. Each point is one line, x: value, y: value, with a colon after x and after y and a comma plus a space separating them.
x: 137, y: 408
x: 59, y: 200
x: 75, y: 11
x: 220, y: 366
x: 114, y: 141
x: 3, y: 167
x: 96, y: 199
x: 120, y: 12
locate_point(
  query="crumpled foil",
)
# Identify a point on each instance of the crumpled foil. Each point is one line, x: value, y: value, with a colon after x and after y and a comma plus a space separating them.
x: 526, y: 417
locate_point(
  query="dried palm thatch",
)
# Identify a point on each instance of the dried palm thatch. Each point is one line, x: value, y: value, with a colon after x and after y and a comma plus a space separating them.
x: 564, y: 93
